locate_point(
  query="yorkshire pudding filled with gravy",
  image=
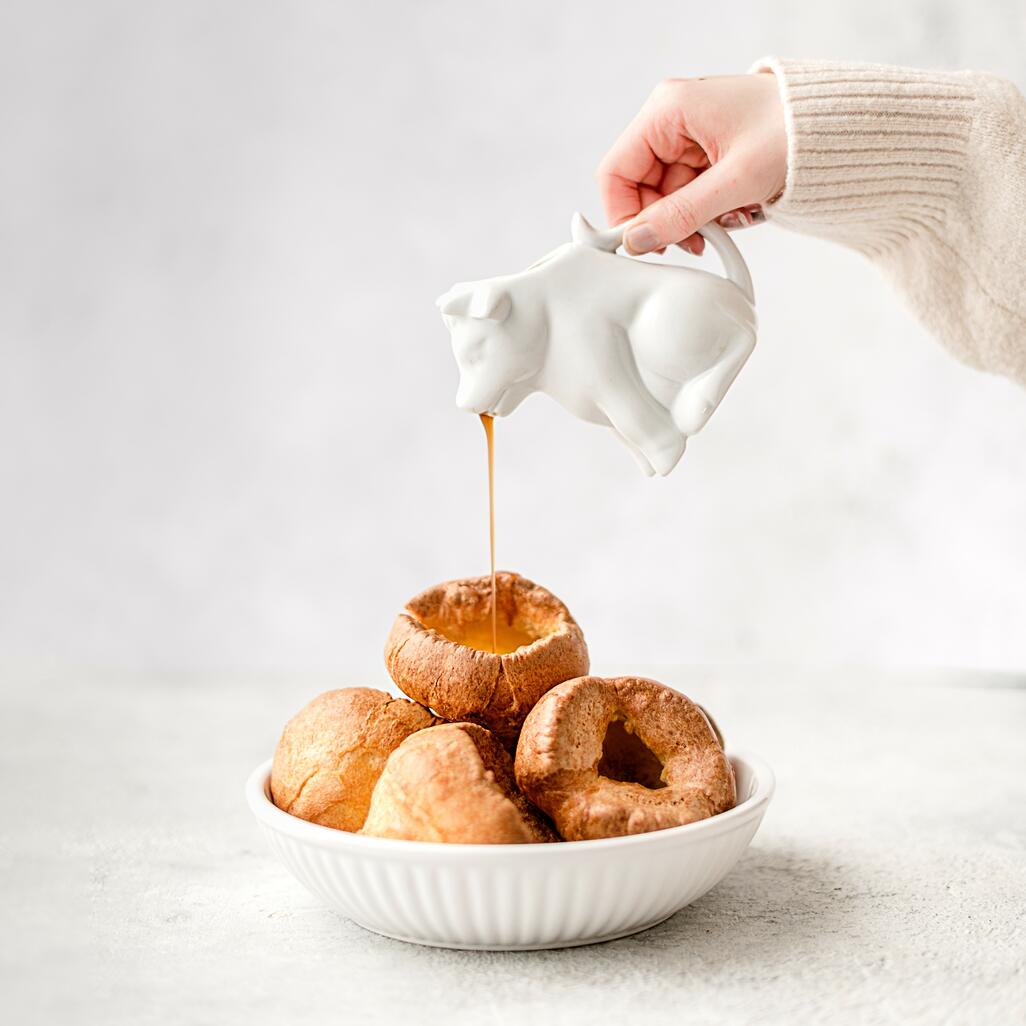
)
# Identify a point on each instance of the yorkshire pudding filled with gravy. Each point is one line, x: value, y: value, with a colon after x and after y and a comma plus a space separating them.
x: 440, y: 650
x: 333, y: 750
x: 453, y: 783
x: 626, y: 755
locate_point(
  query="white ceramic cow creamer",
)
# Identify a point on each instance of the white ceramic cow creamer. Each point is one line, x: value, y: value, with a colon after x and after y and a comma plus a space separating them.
x: 648, y: 349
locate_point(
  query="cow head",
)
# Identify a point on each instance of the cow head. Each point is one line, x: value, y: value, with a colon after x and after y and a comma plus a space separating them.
x: 495, y: 350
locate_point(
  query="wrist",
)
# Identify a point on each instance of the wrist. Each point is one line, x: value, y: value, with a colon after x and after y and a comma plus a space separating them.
x: 775, y: 131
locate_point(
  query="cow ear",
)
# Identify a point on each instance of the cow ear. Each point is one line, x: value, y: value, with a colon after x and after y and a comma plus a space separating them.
x: 455, y: 302
x: 490, y: 303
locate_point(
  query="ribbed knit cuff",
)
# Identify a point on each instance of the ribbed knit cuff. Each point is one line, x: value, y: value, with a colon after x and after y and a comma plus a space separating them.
x: 875, y: 153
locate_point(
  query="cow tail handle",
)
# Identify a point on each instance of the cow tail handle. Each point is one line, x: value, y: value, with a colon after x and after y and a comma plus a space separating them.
x: 610, y: 239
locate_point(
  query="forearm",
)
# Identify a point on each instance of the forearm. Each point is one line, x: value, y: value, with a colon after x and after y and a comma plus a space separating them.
x: 925, y: 172
x: 875, y: 153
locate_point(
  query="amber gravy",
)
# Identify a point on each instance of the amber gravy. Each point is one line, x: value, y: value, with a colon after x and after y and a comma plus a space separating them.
x: 489, y: 429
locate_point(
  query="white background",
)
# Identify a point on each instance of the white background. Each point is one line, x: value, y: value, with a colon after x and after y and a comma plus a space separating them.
x: 226, y: 398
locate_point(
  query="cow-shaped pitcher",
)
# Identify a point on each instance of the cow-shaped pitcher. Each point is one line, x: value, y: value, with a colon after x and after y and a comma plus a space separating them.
x: 648, y: 349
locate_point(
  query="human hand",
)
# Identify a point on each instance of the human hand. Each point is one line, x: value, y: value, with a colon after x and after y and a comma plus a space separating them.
x: 699, y: 150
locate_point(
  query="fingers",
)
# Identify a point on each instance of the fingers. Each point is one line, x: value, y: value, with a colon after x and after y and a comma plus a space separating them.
x: 648, y: 195
x: 743, y: 217
x: 676, y: 176
x: 628, y: 166
x: 685, y: 160
x: 676, y: 217
x: 655, y: 143
x: 624, y: 197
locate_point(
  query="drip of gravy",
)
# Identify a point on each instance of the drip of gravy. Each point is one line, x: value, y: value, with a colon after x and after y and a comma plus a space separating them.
x: 489, y: 430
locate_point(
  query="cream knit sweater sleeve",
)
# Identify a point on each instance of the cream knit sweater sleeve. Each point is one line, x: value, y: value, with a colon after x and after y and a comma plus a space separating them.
x: 925, y: 173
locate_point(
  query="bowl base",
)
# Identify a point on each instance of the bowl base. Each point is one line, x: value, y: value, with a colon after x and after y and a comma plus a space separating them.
x: 579, y: 943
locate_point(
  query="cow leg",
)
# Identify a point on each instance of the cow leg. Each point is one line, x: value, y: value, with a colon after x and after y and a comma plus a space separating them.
x: 637, y: 416
x: 699, y: 397
x: 639, y: 457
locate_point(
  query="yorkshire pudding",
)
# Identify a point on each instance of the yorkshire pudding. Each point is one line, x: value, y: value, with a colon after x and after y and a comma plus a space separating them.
x: 607, y: 757
x: 332, y: 751
x: 712, y: 723
x: 453, y: 783
x: 440, y: 650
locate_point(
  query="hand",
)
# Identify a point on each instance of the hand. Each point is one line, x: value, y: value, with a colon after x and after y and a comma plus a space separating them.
x: 699, y: 150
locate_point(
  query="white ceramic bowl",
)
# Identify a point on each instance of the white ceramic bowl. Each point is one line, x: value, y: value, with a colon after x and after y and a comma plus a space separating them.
x: 515, y: 896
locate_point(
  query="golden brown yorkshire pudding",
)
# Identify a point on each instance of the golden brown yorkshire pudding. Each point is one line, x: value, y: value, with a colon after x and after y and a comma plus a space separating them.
x: 440, y: 650
x: 712, y: 723
x: 333, y: 750
x: 453, y: 783
x: 606, y: 757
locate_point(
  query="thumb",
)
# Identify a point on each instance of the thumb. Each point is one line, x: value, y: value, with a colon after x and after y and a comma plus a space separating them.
x: 675, y: 217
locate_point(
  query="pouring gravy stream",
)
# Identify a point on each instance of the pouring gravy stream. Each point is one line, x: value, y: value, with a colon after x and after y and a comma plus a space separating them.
x: 488, y: 423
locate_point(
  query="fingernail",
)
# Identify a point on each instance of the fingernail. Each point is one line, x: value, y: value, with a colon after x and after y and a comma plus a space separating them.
x: 640, y: 239
x: 730, y: 221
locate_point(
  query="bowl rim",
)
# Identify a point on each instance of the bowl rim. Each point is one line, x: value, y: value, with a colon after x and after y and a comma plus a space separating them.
x: 270, y: 816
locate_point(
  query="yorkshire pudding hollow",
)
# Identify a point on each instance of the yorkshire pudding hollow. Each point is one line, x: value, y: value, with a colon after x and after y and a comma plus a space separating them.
x: 333, y: 750
x: 453, y: 783
x: 439, y: 651
x: 626, y: 755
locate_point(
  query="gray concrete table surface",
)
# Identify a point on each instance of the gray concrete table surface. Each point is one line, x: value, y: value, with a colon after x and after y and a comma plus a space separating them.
x: 887, y: 884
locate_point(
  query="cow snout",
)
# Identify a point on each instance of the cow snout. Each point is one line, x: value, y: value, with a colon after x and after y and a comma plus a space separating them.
x: 467, y: 401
